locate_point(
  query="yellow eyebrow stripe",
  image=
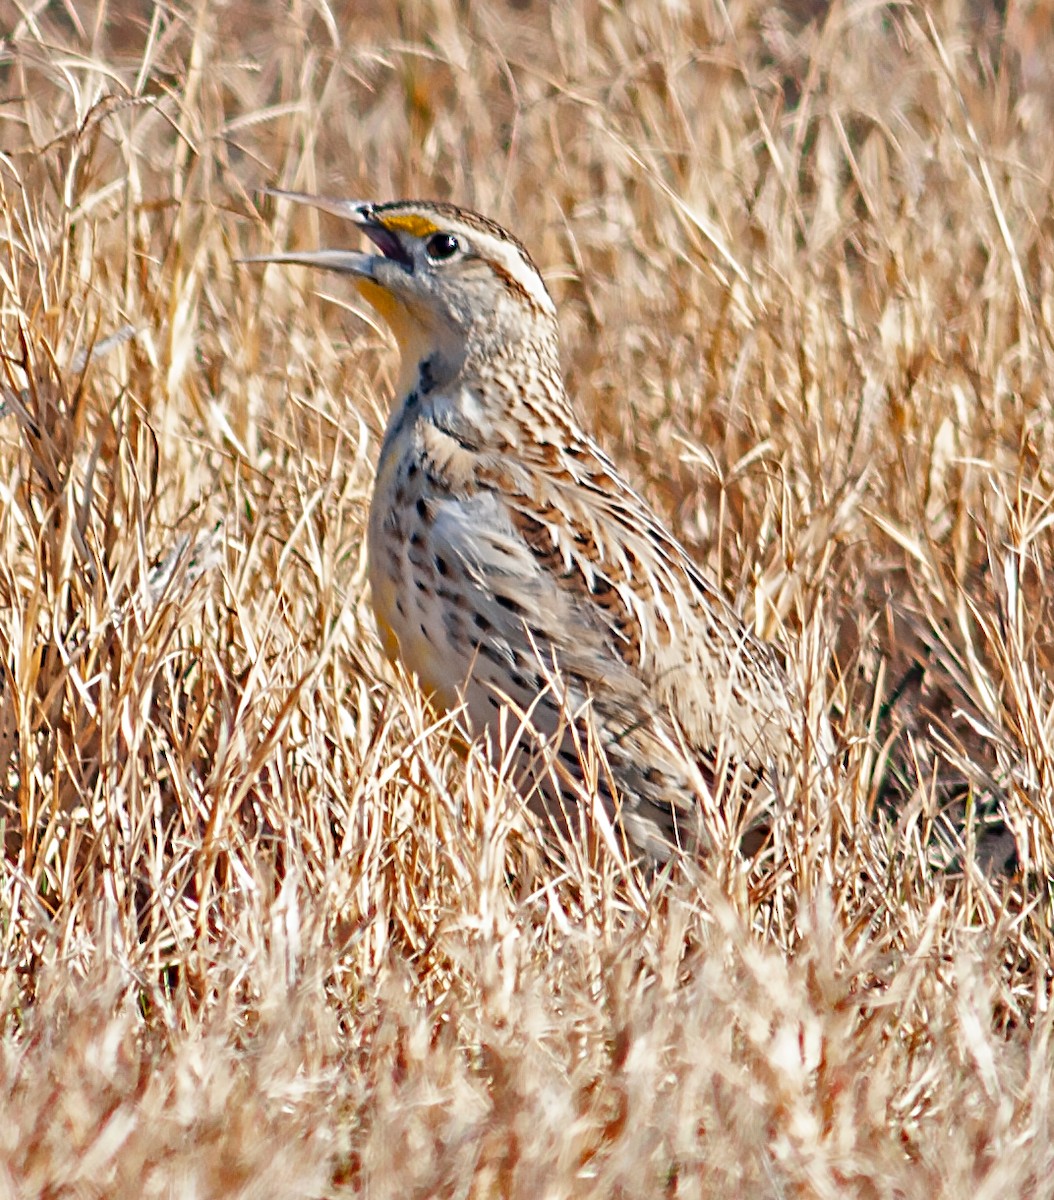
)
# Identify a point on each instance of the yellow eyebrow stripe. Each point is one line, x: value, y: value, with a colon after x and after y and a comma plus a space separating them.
x: 412, y: 224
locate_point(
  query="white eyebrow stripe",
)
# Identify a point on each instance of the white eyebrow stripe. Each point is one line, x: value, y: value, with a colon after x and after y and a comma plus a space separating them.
x: 511, y: 260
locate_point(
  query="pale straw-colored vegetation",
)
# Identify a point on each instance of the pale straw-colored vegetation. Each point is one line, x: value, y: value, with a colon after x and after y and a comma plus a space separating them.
x: 265, y: 930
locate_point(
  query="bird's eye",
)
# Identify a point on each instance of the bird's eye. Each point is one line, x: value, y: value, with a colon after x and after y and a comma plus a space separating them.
x: 441, y: 246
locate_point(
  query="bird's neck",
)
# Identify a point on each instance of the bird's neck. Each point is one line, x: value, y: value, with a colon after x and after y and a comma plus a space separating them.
x: 492, y: 389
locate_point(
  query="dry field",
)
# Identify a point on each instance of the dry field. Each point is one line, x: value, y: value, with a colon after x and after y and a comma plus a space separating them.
x: 265, y: 930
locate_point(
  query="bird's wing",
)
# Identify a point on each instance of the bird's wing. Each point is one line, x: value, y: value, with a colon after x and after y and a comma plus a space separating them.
x: 600, y: 598
x: 615, y: 565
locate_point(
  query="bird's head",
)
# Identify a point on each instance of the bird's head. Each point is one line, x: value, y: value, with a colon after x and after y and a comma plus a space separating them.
x: 445, y: 279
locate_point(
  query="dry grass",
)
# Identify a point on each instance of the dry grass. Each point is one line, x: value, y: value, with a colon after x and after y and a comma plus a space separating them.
x: 262, y: 931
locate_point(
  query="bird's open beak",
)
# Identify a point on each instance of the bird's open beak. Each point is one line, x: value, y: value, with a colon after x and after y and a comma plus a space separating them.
x: 371, y: 274
x: 346, y: 262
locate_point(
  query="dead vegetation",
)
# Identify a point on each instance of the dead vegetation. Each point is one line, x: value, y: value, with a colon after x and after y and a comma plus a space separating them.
x: 264, y: 931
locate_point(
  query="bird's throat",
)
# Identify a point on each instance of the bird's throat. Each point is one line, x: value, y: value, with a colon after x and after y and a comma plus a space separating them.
x: 412, y: 334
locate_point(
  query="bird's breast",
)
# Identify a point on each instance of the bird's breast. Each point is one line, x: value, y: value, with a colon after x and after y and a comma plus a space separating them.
x: 410, y: 581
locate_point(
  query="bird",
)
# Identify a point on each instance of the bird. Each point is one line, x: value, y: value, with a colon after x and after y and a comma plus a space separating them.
x: 512, y: 566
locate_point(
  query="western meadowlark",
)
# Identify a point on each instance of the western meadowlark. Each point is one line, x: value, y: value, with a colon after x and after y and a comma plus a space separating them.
x: 511, y: 564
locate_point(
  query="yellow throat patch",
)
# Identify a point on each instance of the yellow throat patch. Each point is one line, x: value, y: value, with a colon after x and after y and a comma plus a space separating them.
x: 412, y: 334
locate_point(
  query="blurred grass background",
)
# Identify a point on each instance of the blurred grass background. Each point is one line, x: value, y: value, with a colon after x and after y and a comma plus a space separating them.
x: 263, y: 931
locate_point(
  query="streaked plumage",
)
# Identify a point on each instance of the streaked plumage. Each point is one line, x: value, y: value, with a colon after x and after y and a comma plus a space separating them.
x: 510, y: 561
